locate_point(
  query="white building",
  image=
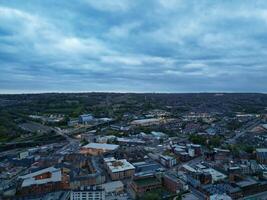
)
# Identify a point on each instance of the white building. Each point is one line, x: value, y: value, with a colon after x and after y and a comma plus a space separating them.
x: 119, y: 169
x: 88, y: 193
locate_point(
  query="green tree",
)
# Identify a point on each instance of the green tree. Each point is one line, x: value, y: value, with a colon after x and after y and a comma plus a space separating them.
x: 151, y: 196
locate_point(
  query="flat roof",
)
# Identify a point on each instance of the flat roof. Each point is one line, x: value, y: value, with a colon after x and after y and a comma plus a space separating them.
x: 166, y: 157
x: 189, y: 168
x: 246, y: 183
x: 143, y: 121
x: 112, y: 186
x: 118, y: 165
x: 262, y: 150
x: 216, y: 175
x: 130, y: 140
x: 101, y: 146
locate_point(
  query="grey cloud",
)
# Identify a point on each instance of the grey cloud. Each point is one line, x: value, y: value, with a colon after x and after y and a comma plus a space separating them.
x: 172, y: 46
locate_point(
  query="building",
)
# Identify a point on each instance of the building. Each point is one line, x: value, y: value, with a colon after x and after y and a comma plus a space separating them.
x: 174, y: 184
x: 216, y: 175
x: 261, y: 155
x: 119, y: 169
x: 250, y: 186
x: 146, y: 122
x: 106, y: 139
x: 58, y: 195
x: 82, y: 170
x: 146, y: 167
x: 89, y: 137
x: 113, y: 187
x: 214, y: 191
x: 167, y: 161
x: 204, y: 174
x: 222, y: 154
x: 183, y: 156
x: 220, y: 197
x: 23, y: 155
x: 140, y: 185
x: 158, y: 135
x: 88, y: 193
x: 98, y: 148
x: 86, y: 118
x: 120, y: 127
x: 43, y: 181
x: 130, y: 141
x: 194, y: 150
x: 73, y: 122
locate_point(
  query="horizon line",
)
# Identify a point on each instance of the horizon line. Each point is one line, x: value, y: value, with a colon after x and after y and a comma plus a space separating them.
x: 125, y: 92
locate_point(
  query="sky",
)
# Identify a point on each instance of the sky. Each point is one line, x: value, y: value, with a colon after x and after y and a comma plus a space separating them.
x: 133, y: 46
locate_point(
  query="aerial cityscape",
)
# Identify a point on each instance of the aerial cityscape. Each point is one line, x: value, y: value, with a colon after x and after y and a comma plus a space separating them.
x: 133, y: 146
x: 133, y: 100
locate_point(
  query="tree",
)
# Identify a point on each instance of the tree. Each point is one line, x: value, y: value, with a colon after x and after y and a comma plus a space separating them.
x: 198, y: 139
x: 151, y: 196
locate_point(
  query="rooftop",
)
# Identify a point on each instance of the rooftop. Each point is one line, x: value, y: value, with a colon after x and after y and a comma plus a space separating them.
x: 128, y: 140
x: 144, y: 121
x: 101, y: 146
x: 262, y: 150
x: 158, y: 134
x: 112, y: 186
x: 166, y: 157
x: 246, y: 183
x: 118, y: 165
x: 29, y: 179
x: 89, y: 188
x: 189, y: 168
x: 216, y: 175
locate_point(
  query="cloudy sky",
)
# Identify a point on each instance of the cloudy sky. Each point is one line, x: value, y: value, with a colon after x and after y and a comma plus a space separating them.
x: 133, y: 45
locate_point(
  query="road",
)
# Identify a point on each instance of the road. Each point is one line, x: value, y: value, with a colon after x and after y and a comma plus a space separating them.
x: 72, y: 146
x: 243, y: 130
